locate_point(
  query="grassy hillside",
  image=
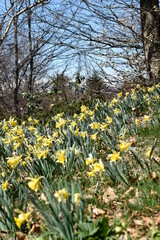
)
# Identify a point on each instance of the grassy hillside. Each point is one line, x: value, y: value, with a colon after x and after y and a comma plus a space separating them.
x: 93, y: 175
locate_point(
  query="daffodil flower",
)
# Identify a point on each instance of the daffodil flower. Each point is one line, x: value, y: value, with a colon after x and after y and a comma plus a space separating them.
x: 90, y: 159
x: 22, y: 217
x: 61, y: 156
x: 13, y: 161
x: 115, y: 156
x: 124, y: 146
x: 77, y: 198
x: 62, y: 195
x: 34, y: 183
x: 4, y: 185
x: 148, y: 153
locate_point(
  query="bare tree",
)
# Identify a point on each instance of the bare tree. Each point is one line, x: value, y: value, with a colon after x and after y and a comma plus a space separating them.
x: 150, y: 22
x: 7, y: 20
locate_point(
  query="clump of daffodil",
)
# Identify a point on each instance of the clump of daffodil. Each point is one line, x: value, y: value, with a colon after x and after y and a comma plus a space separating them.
x: 124, y: 146
x: 62, y: 195
x: 61, y: 156
x: 22, y: 217
x: 34, y: 183
x: 13, y: 161
x: 90, y: 159
x: 115, y: 156
x: 4, y: 185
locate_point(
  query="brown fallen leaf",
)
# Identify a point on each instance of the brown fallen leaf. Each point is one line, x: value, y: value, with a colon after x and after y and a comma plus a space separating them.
x: 127, y: 192
x: 98, y: 211
x: 109, y: 195
x: 154, y: 175
x: 138, y: 222
x: 157, y: 219
x: 147, y: 221
x: 132, y: 201
x: 137, y: 194
x: 20, y: 236
x: 35, y: 229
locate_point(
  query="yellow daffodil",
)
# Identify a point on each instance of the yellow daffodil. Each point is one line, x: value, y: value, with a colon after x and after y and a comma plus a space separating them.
x: 61, y: 156
x: 119, y: 94
x: 76, y: 132
x: 22, y: 217
x: 61, y: 122
x: 84, y: 109
x: 81, y: 117
x: 124, y: 146
x: 94, y: 136
x: 13, y: 161
x: 75, y: 115
x: 59, y: 115
x: 83, y: 134
x: 104, y: 126
x: 90, y: 159
x: 91, y: 173
x: 13, y: 122
x: 4, y: 186
x: 96, y: 106
x: 146, y: 118
x: 34, y: 183
x: 62, y: 195
x: 116, y: 111
x: 95, y: 125
x: 77, y: 198
x: 98, y: 167
x: 42, y: 154
x: 115, y: 156
x: 108, y: 120
x: 148, y: 153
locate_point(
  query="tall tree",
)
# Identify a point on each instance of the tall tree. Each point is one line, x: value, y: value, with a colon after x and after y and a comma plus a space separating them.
x: 150, y: 22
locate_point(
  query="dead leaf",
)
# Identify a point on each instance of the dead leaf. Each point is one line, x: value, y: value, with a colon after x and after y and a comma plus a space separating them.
x: 109, y: 195
x: 35, y: 229
x: 154, y: 175
x: 97, y: 212
x: 20, y: 236
x: 127, y: 192
x: 132, y: 201
x: 157, y: 219
x: 138, y: 222
x: 147, y: 220
x: 137, y: 193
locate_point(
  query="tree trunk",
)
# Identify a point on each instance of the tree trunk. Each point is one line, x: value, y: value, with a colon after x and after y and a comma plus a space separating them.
x: 30, y: 81
x: 16, y: 71
x: 150, y: 22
